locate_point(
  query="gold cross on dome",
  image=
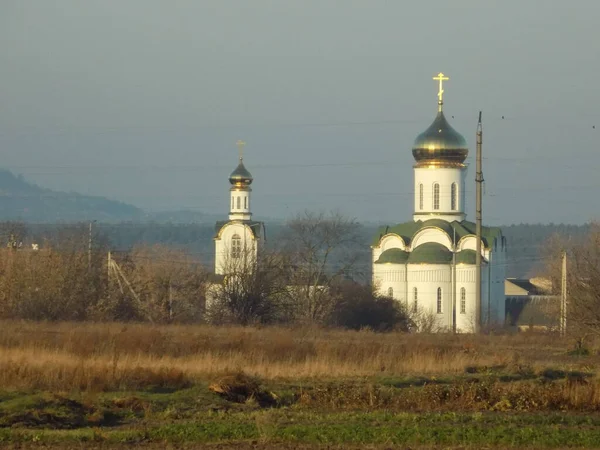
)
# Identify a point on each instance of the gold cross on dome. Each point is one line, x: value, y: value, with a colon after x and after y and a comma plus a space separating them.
x: 240, y: 145
x: 441, y: 78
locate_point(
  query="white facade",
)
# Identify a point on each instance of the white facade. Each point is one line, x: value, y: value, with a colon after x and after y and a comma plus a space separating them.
x: 440, y: 193
x: 236, y: 247
x: 441, y: 289
x: 240, y: 203
x: 428, y: 264
x: 237, y: 241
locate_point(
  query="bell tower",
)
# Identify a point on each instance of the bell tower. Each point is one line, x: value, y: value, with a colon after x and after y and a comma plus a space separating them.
x: 240, y: 180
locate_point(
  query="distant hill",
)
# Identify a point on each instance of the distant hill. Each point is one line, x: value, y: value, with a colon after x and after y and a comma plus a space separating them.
x: 182, y: 217
x: 21, y: 200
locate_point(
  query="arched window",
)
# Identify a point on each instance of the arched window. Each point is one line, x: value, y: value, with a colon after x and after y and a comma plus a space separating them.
x: 421, y: 196
x: 239, y: 203
x: 453, y: 197
x: 245, y: 202
x: 415, y: 300
x: 236, y: 246
x: 390, y: 292
x: 232, y: 203
x: 463, y: 301
x: 439, y: 300
x: 436, y: 196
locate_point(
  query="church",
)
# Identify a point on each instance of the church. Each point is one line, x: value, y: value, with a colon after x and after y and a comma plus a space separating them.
x: 428, y: 263
x: 238, y: 239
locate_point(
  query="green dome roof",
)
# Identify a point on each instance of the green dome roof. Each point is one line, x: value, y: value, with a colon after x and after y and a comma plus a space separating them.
x: 430, y: 253
x: 393, y: 256
x: 455, y: 230
x: 467, y: 256
x: 440, y: 143
x: 241, y: 175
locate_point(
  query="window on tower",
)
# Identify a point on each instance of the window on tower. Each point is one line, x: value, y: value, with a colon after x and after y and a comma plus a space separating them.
x: 232, y: 203
x: 436, y: 196
x: 245, y: 202
x: 236, y: 246
x: 453, y: 197
x: 239, y: 203
x: 439, y: 300
x: 421, y: 196
x: 463, y: 301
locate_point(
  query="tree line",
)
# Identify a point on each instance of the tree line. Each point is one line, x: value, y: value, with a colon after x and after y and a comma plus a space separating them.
x: 309, y: 275
x: 525, y: 241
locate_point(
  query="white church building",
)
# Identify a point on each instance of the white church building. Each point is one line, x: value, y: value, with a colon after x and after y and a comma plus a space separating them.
x: 428, y: 263
x: 237, y: 240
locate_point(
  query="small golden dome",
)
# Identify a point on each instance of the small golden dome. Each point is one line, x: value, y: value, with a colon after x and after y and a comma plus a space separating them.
x: 241, y: 176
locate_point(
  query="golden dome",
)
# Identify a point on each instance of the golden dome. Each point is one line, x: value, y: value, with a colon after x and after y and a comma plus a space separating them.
x: 240, y: 176
x: 440, y: 144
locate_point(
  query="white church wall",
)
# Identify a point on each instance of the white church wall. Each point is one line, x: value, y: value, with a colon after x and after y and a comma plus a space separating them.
x: 431, y: 235
x: 445, y: 177
x: 392, y: 241
x: 387, y: 242
x: 223, y: 244
x: 427, y: 278
x: 240, y: 203
x: 465, y: 279
x: 468, y: 243
x: 390, y: 276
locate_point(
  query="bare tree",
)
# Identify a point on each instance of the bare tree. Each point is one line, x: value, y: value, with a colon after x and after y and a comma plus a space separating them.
x: 52, y: 283
x: 249, y: 292
x: 12, y: 234
x: 583, y: 280
x: 322, y: 251
x: 156, y: 283
x: 424, y: 321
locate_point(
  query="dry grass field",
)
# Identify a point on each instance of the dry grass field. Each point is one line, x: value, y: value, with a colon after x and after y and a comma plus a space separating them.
x: 116, y: 356
x: 107, y: 384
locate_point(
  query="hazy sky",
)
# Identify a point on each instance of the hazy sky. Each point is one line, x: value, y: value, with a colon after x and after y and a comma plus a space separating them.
x: 143, y: 101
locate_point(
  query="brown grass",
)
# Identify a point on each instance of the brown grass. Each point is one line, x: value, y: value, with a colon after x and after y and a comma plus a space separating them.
x: 95, y: 357
x: 461, y: 396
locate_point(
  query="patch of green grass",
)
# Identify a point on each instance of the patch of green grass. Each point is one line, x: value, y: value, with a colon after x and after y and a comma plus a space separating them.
x: 491, y: 429
x: 472, y: 410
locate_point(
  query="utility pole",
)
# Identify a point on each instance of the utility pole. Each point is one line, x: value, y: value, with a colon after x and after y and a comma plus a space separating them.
x: 170, y: 301
x: 108, y: 268
x: 478, y: 220
x: 563, y: 295
x: 454, y: 282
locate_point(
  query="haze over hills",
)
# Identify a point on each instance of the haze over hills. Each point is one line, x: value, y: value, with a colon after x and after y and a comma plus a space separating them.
x: 126, y: 225
x: 24, y: 201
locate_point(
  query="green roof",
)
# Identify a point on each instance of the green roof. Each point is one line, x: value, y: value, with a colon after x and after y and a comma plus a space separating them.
x: 393, y: 256
x: 457, y: 230
x: 467, y: 256
x: 430, y: 253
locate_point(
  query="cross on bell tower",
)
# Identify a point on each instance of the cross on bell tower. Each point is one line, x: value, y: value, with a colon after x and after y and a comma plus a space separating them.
x: 240, y: 145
